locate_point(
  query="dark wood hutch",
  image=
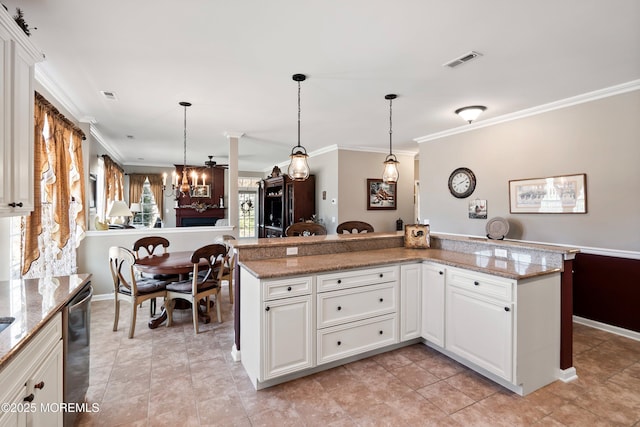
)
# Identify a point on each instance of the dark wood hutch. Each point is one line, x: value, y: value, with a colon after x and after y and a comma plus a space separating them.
x: 203, y: 205
x: 284, y: 201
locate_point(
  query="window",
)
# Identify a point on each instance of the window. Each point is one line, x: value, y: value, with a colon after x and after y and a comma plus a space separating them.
x: 248, y: 200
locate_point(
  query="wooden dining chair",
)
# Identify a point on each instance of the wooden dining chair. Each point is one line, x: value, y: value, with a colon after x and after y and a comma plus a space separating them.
x: 354, y: 227
x: 305, y: 229
x: 128, y: 287
x: 153, y: 245
x: 199, y: 286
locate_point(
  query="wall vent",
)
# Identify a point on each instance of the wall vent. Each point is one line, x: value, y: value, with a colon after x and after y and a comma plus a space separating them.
x: 109, y: 95
x: 462, y: 59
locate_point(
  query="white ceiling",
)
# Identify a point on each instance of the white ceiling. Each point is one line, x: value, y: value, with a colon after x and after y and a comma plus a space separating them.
x: 234, y: 61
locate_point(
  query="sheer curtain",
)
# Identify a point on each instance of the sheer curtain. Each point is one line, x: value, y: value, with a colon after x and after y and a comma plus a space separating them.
x: 56, y: 226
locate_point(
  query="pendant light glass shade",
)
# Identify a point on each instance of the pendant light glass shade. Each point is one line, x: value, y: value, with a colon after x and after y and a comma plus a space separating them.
x: 390, y: 174
x: 185, y: 188
x: 298, y: 168
x: 471, y: 113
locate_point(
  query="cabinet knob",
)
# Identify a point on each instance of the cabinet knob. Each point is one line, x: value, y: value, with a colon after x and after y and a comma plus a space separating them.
x: 381, y: 299
x: 381, y: 332
x: 339, y: 342
x: 339, y: 308
x: 289, y: 288
x: 507, y: 309
x: 339, y: 281
x: 29, y: 398
x: 476, y: 283
x: 40, y: 385
x: 441, y: 272
x: 381, y: 275
x: 267, y: 309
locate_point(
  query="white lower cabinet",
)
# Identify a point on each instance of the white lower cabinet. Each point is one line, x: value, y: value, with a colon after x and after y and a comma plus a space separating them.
x: 433, y: 293
x: 506, y: 329
x: 410, y: 301
x: 33, y: 379
x: 288, y: 337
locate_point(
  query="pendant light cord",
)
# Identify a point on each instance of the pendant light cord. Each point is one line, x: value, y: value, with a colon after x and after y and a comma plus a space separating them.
x: 390, y: 124
x: 298, y: 114
x: 184, y: 165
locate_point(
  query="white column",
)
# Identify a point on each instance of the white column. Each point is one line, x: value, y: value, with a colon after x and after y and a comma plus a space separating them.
x: 232, y: 180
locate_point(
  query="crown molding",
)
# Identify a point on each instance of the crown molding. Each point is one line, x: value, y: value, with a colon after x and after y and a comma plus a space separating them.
x: 16, y: 33
x: 544, y: 108
x: 61, y: 99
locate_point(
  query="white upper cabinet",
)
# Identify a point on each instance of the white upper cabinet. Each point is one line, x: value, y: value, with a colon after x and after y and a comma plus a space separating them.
x: 17, y: 59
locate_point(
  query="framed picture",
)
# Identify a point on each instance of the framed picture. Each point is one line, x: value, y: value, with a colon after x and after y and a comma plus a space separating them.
x: 478, y: 209
x: 556, y: 194
x: 200, y: 191
x: 380, y: 195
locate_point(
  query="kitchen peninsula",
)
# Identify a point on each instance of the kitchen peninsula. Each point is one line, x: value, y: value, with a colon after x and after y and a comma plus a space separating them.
x: 311, y: 303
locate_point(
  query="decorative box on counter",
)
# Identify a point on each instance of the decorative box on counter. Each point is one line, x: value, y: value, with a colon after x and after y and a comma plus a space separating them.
x: 416, y: 236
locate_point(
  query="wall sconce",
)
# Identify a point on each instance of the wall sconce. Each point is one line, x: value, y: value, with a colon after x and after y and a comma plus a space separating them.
x: 471, y: 113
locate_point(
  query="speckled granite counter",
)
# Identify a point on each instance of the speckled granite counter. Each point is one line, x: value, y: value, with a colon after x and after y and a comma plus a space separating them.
x: 291, y: 266
x: 33, y: 302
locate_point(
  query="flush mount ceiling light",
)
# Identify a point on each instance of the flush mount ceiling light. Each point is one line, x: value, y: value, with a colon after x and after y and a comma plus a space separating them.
x: 185, y: 188
x: 471, y: 113
x: 298, y: 168
x: 390, y: 174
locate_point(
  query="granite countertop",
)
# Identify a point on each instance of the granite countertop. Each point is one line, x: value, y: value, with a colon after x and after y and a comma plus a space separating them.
x: 33, y: 302
x: 311, y: 264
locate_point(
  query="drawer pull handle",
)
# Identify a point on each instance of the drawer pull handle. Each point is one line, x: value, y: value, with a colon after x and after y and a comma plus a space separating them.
x: 339, y: 281
x: 476, y: 283
x: 289, y: 288
x: 339, y: 308
x: 339, y: 342
x: 381, y: 299
x: 268, y: 308
x: 507, y: 309
x: 29, y: 398
x: 441, y: 272
x: 13, y: 205
x: 40, y: 385
x: 381, y: 332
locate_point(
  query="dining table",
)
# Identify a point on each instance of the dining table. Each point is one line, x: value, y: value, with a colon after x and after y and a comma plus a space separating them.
x: 178, y: 262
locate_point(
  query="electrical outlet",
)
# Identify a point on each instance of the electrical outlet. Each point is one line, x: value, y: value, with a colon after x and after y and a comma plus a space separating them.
x: 292, y: 251
x: 502, y: 253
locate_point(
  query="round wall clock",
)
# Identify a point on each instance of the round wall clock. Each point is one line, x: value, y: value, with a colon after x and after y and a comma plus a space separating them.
x: 462, y: 182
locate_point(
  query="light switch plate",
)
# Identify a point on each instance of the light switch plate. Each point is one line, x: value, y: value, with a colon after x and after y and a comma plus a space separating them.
x: 292, y: 251
x: 502, y: 253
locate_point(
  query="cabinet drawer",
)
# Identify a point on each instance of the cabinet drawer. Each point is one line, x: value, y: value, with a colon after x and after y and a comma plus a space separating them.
x: 287, y: 288
x: 483, y: 284
x: 356, y: 303
x: 355, y: 338
x: 353, y: 278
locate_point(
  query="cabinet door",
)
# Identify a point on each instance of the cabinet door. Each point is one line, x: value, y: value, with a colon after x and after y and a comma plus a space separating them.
x: 46, y: 385
x: 15, y: 418
x: 433, y: 290
x: 287, y: 336
x: 410, y: 301
x: 480, y: 330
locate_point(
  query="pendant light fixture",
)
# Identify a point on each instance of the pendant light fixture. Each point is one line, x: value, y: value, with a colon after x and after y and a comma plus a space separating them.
x: 390, y: 174
x: 298, y: 168
x: 470, y: 113
x: 185, y: 188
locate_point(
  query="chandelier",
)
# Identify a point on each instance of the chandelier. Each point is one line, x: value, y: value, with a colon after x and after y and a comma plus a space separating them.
x: 390, y: 174
x: 298, y: 168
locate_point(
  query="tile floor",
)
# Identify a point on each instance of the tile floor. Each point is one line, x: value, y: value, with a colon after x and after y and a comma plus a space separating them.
x: 168, y: 376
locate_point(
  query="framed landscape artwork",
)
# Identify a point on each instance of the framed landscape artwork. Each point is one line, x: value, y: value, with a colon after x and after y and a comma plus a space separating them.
x: 380, y: 195
x: 200, y: 191
x: 556, y: 194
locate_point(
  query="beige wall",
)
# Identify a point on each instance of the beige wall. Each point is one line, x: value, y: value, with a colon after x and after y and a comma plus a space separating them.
x: 354, y: 168
x: 600, y: 138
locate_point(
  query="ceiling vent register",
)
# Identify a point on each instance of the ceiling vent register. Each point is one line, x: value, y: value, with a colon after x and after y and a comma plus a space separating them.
x: 463, y: 59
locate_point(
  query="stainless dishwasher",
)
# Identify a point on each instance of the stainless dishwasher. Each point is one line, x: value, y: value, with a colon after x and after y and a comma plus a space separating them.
x: 76, y: 338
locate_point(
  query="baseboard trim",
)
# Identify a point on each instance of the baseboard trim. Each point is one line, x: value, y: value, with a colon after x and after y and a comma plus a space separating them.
x: 235, y: 354
x: 568, y: 375
x: 608, y: 328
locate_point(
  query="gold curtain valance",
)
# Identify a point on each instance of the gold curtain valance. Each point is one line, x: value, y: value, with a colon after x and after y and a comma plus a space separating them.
x: 53, y: 111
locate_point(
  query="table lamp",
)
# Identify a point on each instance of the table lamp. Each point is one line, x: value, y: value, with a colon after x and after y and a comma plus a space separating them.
x: 119, y: 209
